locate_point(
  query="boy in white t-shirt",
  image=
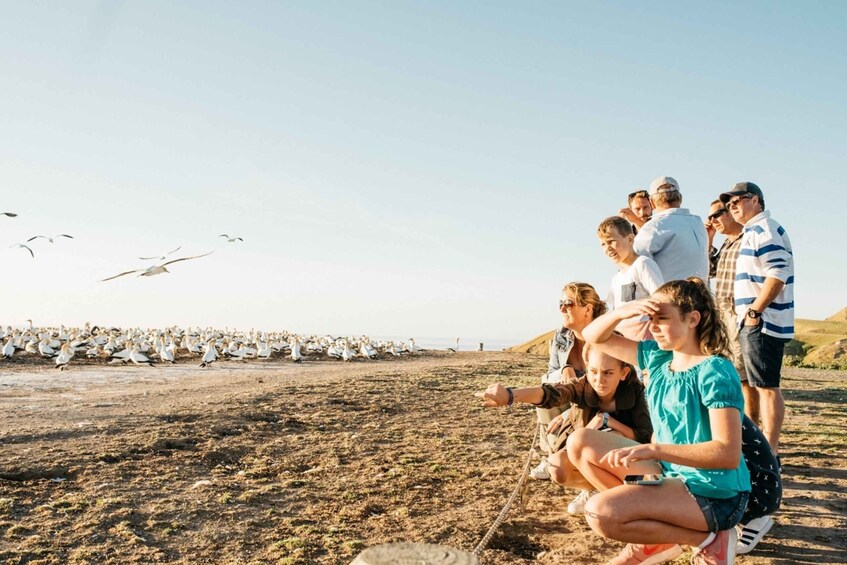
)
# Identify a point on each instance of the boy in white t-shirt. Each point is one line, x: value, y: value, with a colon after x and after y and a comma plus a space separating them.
x: 637, y: 277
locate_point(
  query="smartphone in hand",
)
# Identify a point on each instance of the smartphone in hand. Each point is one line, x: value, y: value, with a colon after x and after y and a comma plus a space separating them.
x: 643, y: 479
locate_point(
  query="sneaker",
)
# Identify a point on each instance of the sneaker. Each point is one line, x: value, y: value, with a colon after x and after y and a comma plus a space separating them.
x: 751, y: 533
x: 720, y: 552
x: 634, y: 554
x: 540, y: 473
x: 577, y: 505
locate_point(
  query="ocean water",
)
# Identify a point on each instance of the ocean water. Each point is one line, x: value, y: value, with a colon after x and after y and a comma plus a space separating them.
x: 465, y: 343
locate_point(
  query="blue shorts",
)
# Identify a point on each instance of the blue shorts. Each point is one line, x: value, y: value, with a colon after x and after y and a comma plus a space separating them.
x: 762, y: 356
x: 722, y: 513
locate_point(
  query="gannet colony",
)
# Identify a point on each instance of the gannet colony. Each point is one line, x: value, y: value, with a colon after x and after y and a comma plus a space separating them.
x: 110, y: 345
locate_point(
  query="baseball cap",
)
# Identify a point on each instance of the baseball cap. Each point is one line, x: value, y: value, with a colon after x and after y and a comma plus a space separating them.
x: 663, y: 184
x: 742, y: 188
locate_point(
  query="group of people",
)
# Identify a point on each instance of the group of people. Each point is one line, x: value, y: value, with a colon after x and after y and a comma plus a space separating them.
x: 653, y: 399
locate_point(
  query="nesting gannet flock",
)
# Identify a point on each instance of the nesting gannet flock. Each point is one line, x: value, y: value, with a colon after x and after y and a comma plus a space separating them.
x: 121, y: 346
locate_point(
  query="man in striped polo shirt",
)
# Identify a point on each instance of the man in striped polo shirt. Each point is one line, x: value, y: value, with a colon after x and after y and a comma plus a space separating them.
x: 764, y: 300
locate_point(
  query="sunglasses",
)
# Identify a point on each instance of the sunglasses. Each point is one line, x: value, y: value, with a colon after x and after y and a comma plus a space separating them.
x: 566, y: 304
x: 717, y: 214
x: 737, y: 200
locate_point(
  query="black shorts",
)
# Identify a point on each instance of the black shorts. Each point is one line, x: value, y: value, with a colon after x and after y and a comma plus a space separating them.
x: 762, y: 356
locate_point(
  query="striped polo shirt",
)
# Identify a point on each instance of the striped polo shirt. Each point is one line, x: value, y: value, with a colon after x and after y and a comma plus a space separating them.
x: 766, y: 253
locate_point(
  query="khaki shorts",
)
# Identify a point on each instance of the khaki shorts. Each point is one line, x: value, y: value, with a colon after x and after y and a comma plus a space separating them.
x: 731, y: 323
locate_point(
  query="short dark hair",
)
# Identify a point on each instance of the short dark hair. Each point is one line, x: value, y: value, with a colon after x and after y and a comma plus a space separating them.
x: 637, y: 194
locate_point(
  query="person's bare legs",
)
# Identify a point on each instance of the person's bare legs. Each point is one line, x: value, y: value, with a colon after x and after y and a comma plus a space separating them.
x: 648, y: 514
x: 586, y: 447
x: 751, y: 402
x: 563, y: 472
x: 772, y: 408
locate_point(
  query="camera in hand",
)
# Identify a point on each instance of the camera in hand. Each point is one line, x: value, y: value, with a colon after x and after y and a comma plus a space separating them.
x: 643, y: 480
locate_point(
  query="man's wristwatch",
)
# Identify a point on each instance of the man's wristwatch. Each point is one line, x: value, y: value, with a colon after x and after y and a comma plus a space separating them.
x: 755, y: 314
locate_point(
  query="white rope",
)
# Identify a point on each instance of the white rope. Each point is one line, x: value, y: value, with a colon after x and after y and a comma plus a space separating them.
x: 505, y: 511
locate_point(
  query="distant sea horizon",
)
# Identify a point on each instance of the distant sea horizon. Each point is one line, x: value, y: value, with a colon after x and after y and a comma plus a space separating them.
x: 465, y: 343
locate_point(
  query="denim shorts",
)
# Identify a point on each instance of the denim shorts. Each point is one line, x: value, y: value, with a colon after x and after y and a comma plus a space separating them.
x: 722, y: 513
x: 762, y: 355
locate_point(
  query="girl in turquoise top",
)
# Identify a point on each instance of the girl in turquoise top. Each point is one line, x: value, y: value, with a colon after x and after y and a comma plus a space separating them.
x: 696, y: 406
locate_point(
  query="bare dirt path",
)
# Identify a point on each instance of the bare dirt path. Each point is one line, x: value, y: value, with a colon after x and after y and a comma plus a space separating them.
x: 281, y: 463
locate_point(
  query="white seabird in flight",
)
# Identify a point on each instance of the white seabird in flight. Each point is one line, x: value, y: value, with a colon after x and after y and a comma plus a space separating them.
x: 230, y: 239
x: 49, y: 237
x: 25, y: 247
x: 161, y: 257
x: 155, y: 269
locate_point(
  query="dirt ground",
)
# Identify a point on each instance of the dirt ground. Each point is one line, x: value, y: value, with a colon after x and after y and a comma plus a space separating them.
x: 272, y: 462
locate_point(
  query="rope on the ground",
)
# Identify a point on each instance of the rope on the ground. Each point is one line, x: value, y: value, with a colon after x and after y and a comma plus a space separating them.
x: 518, y: 488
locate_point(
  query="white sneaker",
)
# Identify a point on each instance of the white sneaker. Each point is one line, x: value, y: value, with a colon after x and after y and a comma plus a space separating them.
x: 540, y: 473
x: 751, y: 533
x: 577, y: 505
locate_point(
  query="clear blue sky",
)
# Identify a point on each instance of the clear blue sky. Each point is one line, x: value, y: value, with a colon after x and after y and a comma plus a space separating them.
x: 410, y: 168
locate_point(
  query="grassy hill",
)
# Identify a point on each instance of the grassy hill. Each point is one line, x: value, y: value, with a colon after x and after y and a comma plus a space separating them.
x: 817, y: 343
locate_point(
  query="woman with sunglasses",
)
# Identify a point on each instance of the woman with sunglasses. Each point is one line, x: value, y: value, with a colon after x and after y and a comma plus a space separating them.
x: 579, y: 305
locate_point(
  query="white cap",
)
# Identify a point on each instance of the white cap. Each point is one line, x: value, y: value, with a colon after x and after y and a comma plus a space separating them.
x: 663, y: 184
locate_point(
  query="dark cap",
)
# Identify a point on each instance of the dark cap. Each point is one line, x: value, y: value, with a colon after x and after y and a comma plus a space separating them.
x: 742, y: 188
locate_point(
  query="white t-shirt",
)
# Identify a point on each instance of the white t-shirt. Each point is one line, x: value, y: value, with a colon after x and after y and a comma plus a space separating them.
x: 634, y: 282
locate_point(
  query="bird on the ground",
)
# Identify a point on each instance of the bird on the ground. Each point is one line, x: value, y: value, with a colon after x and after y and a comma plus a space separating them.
x: 161, y: 257
x: 210, y: 355
x: 9, y: 348
x: 296, y: 356
x: 64, y: 357
x: 264, y: 350
x: 155, y: 269
x: 50, y: 237
x: 347, y: 353
x: 139, y: 358
x: 10, y: 214
x: 44, y: 348
x: 25, y: 247
x: 230, y: 239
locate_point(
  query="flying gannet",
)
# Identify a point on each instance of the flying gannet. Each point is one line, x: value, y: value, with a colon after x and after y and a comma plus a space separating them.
x: 161, y: 257
x: 50, y: 237
x: 25, y: 247
x: 155, y: 269
x: 230, y: 239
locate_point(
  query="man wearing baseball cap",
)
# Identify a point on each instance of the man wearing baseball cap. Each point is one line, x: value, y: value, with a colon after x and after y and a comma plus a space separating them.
x: 674, y: 237
x: 764, y: 300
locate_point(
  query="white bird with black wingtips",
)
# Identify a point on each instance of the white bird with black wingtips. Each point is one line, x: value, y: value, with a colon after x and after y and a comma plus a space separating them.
x: 155, y: 269
x: 230, y: 239
x: 24, y: 246
x: 161, y: 257
x: 50, y: 238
